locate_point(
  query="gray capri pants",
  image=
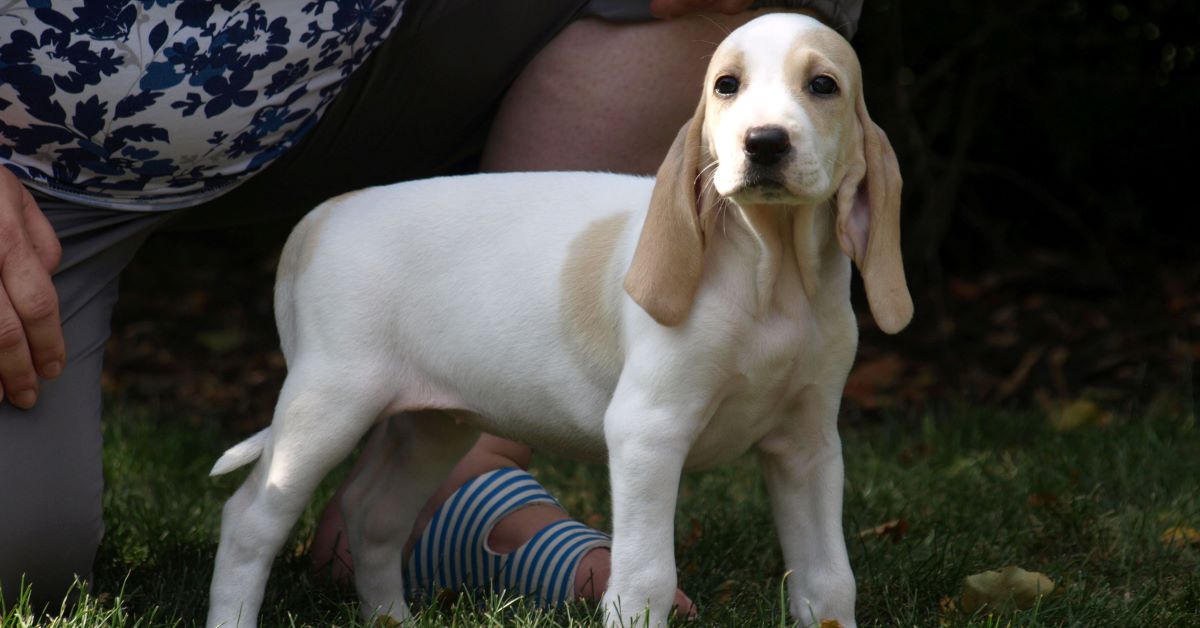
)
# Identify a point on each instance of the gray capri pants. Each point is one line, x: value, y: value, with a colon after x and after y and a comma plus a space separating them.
x: 51, y: 478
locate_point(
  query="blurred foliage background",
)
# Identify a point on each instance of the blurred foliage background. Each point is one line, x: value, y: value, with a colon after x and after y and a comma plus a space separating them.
x: 1050, y: 222
x: 1045, y: 124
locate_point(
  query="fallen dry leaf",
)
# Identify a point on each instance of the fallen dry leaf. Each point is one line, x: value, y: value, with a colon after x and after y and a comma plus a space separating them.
x: 947, y: 611
x: 872, y: 377
x: 1180, y: 537
x: 916, y: 452
x: 695, y: 533
x: 1042, y: 500
x: 1076, y: 414
x: 893, y: 530
x: 963, y: 290
x: 1020, y: 375
x: 1010, y: 588
x: 302, y: 547
x: 388, y: 622
x: 724, y: 592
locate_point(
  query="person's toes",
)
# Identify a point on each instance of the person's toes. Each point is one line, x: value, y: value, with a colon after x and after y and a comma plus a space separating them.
x: 684, y: 605
x: 591, y: 580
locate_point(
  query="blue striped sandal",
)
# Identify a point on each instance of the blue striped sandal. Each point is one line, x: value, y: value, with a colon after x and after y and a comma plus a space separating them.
x: 452, y: 552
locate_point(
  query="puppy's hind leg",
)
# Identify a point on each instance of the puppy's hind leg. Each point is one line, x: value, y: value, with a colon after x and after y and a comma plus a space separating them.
x: 406, y: 458
x: 318, y: 420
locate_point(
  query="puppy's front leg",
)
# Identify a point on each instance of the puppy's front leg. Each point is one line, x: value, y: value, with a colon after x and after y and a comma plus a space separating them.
x: 648, y: 441
x: 802, y: 464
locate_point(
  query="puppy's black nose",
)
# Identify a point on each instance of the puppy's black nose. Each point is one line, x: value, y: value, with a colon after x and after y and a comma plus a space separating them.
x: 766, y: 145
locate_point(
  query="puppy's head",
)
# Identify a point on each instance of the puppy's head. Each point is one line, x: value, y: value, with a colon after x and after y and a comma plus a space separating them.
x: 781, y: 121
x: 780, y: 117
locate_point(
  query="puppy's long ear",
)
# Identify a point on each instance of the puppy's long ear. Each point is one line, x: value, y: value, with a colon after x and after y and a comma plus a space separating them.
x: 868, y: 224
x: 665, y: 271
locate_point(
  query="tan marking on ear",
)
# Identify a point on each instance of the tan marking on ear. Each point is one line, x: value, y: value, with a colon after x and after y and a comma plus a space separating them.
x: 590, y: 303
x: 868, y: 224
x: 298, y: 250
x: 883, y: 266
x: 868, y: 196
x: 664, y: 274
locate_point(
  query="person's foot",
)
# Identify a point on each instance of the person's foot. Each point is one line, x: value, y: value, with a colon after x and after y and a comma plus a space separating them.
x: 591, y: 579
x: 331, y: 555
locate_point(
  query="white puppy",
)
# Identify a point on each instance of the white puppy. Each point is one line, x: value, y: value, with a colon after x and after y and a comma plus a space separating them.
x: 657, y: 324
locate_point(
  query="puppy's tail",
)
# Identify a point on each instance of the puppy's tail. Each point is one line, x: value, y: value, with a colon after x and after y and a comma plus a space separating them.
x: 241, y: 454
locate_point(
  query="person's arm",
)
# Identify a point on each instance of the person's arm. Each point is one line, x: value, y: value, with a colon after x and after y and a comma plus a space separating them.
x: 31, y: 337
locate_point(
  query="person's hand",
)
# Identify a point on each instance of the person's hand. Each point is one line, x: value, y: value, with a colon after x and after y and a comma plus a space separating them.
x: 678, y: 8
x: 31, y: 337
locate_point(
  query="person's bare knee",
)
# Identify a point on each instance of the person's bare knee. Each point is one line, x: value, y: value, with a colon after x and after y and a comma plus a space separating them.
x: 605, y: 96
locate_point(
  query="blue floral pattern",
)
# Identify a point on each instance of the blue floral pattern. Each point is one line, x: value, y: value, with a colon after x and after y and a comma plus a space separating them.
x: 157, y: 104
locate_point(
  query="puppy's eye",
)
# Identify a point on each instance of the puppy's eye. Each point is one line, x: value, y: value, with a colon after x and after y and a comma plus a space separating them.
x: 823, y: 85
x: 727, y: 85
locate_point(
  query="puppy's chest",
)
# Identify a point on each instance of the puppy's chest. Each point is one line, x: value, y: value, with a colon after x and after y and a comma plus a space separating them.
x: 778, y: 358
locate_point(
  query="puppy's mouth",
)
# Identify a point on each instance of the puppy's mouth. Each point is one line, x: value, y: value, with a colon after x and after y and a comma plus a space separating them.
x: 762, y: 187
x: 766, y: 181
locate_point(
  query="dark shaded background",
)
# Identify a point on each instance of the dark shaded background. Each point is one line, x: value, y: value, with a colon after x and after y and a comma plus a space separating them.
x: 1050, y: 225
x: 1047, y: 148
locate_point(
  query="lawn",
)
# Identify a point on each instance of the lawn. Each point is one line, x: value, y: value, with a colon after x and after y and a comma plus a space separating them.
x: 975, y: 489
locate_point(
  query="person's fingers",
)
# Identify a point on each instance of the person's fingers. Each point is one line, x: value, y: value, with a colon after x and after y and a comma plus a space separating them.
x: 18, y: 381
x: 32, y: 296
x: 40, y: 233
x: 29, y: 317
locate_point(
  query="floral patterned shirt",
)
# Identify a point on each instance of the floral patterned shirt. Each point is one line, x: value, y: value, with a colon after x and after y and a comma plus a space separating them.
x: 161, y: 104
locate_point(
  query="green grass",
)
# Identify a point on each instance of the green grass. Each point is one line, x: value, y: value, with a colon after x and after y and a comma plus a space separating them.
x: 979, y: 489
